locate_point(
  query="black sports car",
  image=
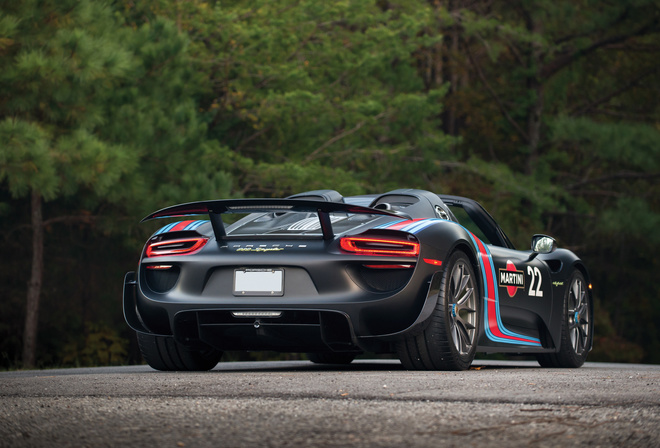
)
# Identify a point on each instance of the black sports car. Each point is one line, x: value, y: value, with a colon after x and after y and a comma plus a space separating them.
x: 429, y: 277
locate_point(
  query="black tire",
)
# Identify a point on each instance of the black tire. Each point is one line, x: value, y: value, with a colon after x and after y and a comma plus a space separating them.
x: 331, y: 358
x: 577, y: 327
x: 449, y: 340
x: 164, y: 353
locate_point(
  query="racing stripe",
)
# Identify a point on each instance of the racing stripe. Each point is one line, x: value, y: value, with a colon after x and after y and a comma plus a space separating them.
x: 495, y: 330
x: 419, y: 226
x: 181, y: 225
x: 401, y: 224
x: 193, y: 225
x: 410, y: 226
x: 166, y: 228
x: 387, y: 224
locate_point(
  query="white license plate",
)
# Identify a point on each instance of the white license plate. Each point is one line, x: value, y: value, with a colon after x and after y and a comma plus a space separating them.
x: 259, y: 282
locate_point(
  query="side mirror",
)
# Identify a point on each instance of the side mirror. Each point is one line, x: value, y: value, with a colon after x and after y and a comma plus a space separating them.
x: 543, y: 244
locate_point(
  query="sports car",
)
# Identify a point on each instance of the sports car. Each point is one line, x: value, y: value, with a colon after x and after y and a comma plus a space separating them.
x: 428, y: 277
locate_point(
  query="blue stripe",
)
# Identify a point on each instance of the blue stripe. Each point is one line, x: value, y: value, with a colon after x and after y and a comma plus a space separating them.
x: 501, y: 326
x: 201, y: 223
x: 489, y: 334
x: 193, y: 225
x: 420, y: 225
x: 167, y: 228
x: 391, y: 223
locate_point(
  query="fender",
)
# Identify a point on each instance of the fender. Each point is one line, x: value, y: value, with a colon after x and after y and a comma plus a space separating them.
x: 562, y: 263
x: 440, y: 239
x: 131, y: 314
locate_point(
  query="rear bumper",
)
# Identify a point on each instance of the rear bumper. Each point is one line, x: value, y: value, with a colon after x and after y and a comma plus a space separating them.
x: 351, y: 322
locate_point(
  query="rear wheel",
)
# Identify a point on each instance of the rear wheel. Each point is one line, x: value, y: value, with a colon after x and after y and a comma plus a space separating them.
x: 331, y: 358
x: 577, y: 327
x: 164, y: 353
x: 449, y: 341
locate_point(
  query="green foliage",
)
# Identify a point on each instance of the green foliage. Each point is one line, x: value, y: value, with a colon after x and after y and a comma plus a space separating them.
x: 102, y: 346
x: 100, y: 120
x: 545, y: 111
x: 586, y: 171
x: 25, y: 160
x: 60, y: 57
x: 309, y: 83
x: 89, y: 101
x: 635, y: 146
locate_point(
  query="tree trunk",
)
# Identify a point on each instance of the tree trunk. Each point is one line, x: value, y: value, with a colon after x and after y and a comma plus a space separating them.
x: 34, y: 285
x: 535, y: 85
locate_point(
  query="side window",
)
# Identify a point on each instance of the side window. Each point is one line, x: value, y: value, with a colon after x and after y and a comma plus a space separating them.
x: 467, y: 222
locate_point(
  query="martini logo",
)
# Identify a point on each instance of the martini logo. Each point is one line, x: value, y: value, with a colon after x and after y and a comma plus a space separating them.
x: 511, y: 278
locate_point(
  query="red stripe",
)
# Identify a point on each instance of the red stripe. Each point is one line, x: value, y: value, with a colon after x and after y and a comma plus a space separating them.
x: 490, y: 297
x: 401, y: 225
x: 182, y: 225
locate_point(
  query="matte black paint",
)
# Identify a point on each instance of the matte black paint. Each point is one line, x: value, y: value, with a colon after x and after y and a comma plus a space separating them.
x: 334, y: 311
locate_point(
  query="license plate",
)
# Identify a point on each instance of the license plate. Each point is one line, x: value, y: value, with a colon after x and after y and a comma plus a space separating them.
x: 259, y: 282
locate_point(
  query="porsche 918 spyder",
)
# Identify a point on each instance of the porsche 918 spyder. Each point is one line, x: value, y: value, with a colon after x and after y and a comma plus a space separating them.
x: 431, y: 278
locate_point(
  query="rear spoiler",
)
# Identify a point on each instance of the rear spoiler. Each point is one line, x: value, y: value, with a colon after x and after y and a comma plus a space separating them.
x: 216, y: 208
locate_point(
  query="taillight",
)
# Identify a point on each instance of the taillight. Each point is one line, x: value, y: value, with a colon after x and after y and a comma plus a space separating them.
x: 158, y: 267
x: 389, y: 266
x: 379, y: 246
x: 181, y: 246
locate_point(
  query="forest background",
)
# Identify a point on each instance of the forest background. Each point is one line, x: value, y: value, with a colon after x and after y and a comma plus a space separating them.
x: 545, y: 111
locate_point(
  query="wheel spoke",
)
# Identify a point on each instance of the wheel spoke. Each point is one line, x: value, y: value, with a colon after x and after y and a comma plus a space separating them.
x: 575, y: 339
x: 464, y: 281
x: 456, y: 281
x: 577, y: 286
x: 466, y: 343
x: 456, y: 338
x: 462, y: 309
x: 582, y: 309
x: 583, y: 338
x: 460, y: 303
x: 578, y: 317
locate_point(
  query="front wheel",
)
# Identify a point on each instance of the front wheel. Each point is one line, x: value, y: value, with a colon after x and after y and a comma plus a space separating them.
x: 449, y: 341
x: 164, y: 353
x: 577, y: 327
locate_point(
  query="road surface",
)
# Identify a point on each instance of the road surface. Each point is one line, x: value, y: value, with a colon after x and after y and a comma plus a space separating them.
x: 366, y: 404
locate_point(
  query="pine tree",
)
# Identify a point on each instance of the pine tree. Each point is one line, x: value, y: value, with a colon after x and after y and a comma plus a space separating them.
x: 85, y: 103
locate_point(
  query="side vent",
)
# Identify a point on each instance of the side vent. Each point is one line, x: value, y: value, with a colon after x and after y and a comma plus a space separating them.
x: 554, y: 265
x: 381, y: 278
x: 161, y: 278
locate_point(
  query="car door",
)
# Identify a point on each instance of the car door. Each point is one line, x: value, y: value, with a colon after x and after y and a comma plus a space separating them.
x: 517, y: 293
x: 524, y: 295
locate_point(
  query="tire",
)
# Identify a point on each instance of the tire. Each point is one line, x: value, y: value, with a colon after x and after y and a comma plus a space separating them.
x: 449, y: 340
x: 577, y: 327
x: 164, y: 353
x: 331, y: 358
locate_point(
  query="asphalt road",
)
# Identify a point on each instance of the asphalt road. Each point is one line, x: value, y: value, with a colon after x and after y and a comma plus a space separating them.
x: 366, y: 404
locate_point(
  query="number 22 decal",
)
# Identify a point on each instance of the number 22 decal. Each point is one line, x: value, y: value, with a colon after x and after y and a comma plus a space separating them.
x: 535, y: 272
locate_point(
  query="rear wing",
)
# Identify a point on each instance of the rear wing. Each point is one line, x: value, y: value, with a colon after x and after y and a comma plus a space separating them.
x: 216, y: 208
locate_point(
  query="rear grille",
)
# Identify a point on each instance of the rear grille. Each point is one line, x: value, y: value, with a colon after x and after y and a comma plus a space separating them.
x: 295, y: 330
x: 162, y: 280
x: 379, y: 279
